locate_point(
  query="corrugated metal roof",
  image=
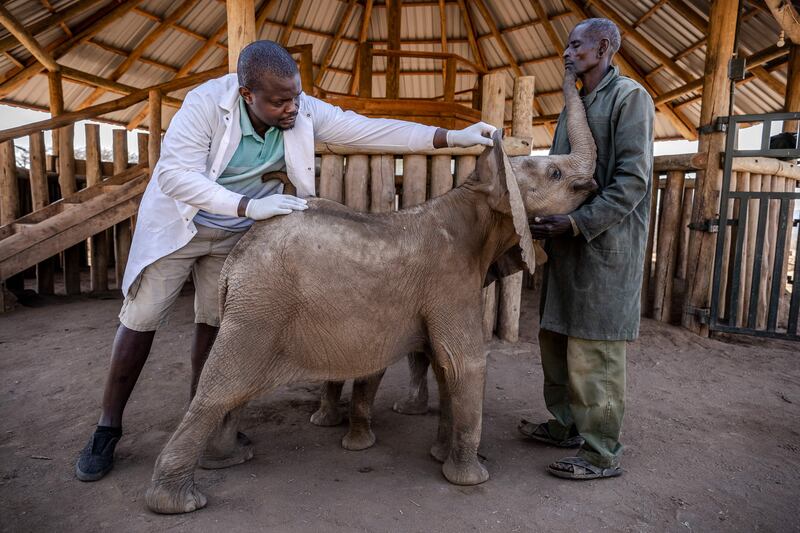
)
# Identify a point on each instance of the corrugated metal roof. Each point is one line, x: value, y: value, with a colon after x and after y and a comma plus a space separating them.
x: 317, y: 21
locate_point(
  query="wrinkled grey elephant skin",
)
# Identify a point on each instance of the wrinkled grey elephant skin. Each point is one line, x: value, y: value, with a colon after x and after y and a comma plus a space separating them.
x: 332, y: 294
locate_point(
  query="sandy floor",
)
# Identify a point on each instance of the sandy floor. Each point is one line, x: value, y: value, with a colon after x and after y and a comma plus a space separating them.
x: 711, y: 433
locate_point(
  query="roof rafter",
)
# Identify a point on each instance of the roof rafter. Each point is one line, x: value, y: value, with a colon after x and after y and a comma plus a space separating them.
x: 366, y: 15
x: 16, y: 29
x: 649, y: 13
x: 555, y: 40
x: 58, y: 17
x: 287, y: 30
x: 471, y: 34
x: 341, y: 26
x: 137, y: 52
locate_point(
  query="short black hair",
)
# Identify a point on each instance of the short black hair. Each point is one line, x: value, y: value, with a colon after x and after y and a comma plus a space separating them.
x: 784, y: 141
x: 603, y: 29
x: 261, y: 57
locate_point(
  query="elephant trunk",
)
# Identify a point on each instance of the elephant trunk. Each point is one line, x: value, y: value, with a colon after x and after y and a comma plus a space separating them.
x: 583, y: 150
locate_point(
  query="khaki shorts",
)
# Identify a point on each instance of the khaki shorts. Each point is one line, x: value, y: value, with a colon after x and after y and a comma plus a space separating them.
x: 152, y: 294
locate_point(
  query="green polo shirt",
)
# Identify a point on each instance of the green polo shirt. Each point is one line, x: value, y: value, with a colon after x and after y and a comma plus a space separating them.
x: 254, y: 157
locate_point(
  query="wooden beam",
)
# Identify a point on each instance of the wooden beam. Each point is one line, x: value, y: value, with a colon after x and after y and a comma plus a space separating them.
x: 649, y: 13
x: 555, y: 40
x: 687, y: 12
x: 16, y: 29
x: 6, y: 43
x: 154, y: 124
x: 787, y: 17
x: 341, y: 26
x: 241, y: 28
x: 113, y: 105
x: 120, y: 52
x: 366, y: 15
x: 473, y: 43
x: 290, y: 22
x: 137, y: 52
x: 394, y: 14
x: 708, y: 184
x: 792, y: 99
x: 443, y: 35
x: 91, y: 80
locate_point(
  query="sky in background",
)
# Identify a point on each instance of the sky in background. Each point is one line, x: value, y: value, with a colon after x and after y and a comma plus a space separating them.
x: 10, y: 117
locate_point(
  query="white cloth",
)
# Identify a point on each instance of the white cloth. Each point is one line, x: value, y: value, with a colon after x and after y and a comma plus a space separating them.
x: 201, y: 140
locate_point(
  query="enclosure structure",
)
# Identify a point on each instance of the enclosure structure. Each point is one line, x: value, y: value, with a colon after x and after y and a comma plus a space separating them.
x: 445, y: 62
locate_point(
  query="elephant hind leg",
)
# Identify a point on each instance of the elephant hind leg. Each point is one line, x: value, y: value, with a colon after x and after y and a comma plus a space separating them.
x: 360, y: 435
x: 441, y: 448
x: 416, y: 400
x: 229, y: 380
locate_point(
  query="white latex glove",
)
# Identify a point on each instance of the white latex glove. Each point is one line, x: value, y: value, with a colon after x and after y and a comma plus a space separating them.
x: 478, y: 133
x: 277, y: 204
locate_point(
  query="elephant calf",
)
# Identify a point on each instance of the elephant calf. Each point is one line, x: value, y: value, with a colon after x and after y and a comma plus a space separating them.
x: 332, y: 294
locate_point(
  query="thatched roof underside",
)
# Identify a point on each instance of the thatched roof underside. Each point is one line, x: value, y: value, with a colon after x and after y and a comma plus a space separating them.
x: 663, y: 44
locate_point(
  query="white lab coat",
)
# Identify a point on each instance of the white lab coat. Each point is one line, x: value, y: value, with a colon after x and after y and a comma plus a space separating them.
x: 201, y: 140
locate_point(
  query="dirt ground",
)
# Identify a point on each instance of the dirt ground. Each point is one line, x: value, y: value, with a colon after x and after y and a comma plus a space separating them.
x: 711, y: 433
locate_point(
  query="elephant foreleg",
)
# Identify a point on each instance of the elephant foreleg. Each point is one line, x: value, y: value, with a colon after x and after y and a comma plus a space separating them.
x: 328, y: 413
x: 360, y: 435
x: 441, y: 448
x: 227, y: 446
x: 416, y: 400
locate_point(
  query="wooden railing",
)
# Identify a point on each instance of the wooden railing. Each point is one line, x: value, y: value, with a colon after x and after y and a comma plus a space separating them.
x: 665, y: 269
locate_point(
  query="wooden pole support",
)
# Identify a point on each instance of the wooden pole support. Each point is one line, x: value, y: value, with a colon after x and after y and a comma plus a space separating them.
x: 154, y: 125
x: 40, y: 197
x: 667, y: 243
x: 355, y: 182
x: 331, y: 176
x: 382, y: 183
x: 9, y: 189
x: 122, y: 231
x: 415, y: 170
x: 450, y: 79
x: 441, y: 175
x: 365, y: 70
x: 465, y: 165
x: 241, y: 28
x: 98, y: 244
x: 394, y: 13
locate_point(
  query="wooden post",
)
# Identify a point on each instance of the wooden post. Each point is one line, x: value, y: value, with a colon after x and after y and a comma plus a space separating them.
x: 382, y: 183
x: 415, y: 169
x: 68, y: 185
x: 122, y: 231
x: 667, y: 241
x: 307, y: 68
x: 98, y: 244
x: 154, y: 125
x: 394, y: 13
x: 241, y: 28
x: 9, y: 189
x: 648, y: 252
x: 365, y: 70
x: 683, y: 246
x: 742, y: 185
x: 756, y: 181
x: 441, y: 175
x: 450, y: 79
x: 716, y: 85
x: 465, y: 165
x: 492, y: 112
x: 477, y: 94
x: 40, y: 197
x: 510, y: 300
x: 355, y: 182
x: 142, y: 146
x: 330, y: 177
x: 56, y: 101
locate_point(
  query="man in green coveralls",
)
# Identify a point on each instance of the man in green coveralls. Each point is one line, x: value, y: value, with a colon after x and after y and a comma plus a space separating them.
x: 592, y: 281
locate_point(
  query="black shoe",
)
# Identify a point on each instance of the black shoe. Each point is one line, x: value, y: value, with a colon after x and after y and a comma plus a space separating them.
x: 97, y: 458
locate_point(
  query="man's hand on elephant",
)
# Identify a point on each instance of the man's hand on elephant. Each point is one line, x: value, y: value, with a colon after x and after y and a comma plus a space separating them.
x: 552, y: 226
x: 478, y: 133
x: 277, y: 204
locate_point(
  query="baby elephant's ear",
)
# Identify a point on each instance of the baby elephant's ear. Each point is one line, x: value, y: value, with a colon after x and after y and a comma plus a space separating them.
x: 490, y: 162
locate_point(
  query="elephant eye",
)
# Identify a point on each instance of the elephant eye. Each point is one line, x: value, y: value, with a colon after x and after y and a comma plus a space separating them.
x: 554, y: 173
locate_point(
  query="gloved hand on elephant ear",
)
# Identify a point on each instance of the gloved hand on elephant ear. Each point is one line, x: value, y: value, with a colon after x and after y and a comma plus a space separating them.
x: 276, y: 204
x: 478, y: 133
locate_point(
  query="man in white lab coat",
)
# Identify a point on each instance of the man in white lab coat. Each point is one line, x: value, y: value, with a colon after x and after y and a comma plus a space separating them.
x: 206, y: 191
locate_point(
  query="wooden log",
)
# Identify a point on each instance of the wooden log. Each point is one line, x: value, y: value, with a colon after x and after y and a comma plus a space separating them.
x: 465, y: 165
x: 307, y: 68
x: 123, y: 232
x: 154, y: 125
x: 716, y: 103
x: 450, y: 79
x: 142, y: 147
x: 489, y: 311
x: 767, y: 166
x: 756, y: 181
x: 40, y: 197
x: 365, y: 70
x: 648, y: 254
x: 241, y: 28
x: 331, y: 176
x: 724, y: 287
x: 512, y: 146
x: 441, y: 176
x: 98, y: 244
x: 522, y: 108
x: 415, y: 170
x: 27, y: 40
x: 9, y: 189
x: 683, y: 245
x: 394, y: 13
x: 770, y: 183
x: 667, y: 241
x: 68, y: 185
x: 687, y: 162
x: 381, y: 183
x: 356, y: 181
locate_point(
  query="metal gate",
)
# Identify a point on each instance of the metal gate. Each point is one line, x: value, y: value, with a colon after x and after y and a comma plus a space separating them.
x: 756, y: 245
